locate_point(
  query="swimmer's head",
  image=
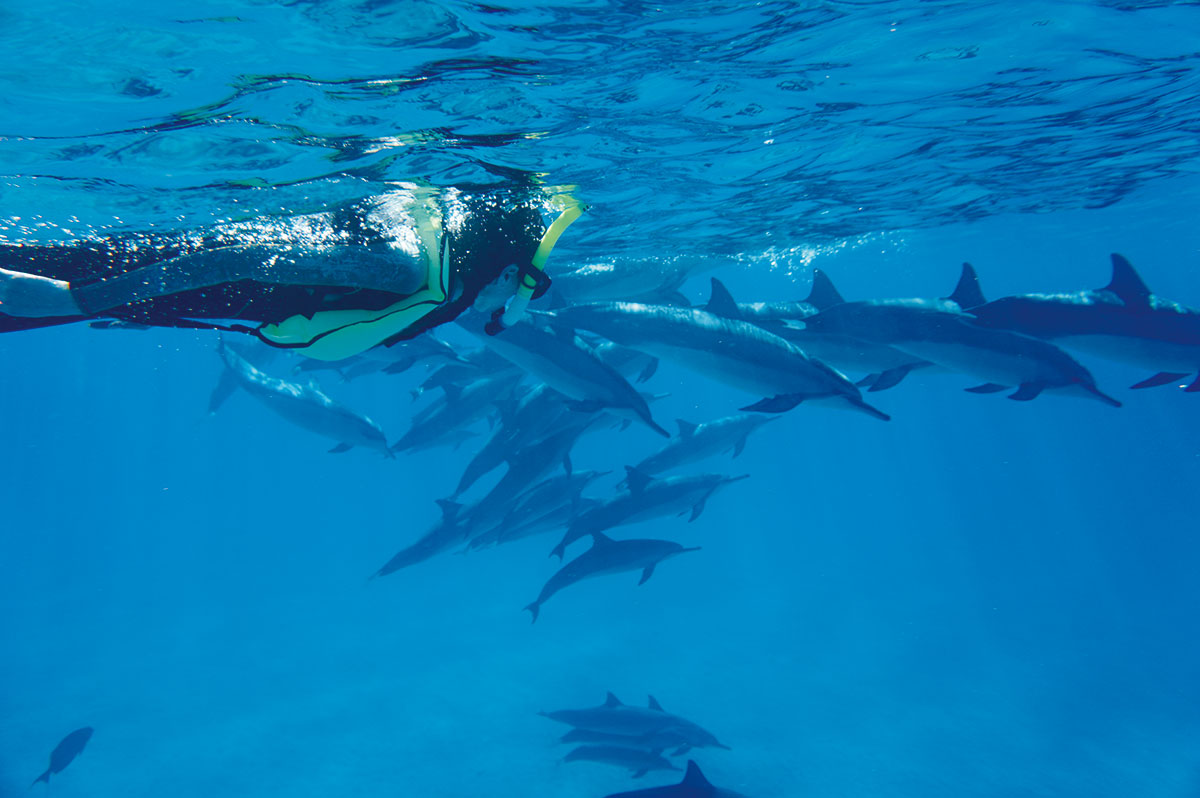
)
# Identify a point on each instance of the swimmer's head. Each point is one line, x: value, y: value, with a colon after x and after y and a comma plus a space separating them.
x: 498, y: 291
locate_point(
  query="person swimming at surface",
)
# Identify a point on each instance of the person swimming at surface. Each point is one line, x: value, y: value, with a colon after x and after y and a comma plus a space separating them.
x: 330, y: 284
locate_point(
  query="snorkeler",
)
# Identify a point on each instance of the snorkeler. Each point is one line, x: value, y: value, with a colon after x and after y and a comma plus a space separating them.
x: 330, y: 284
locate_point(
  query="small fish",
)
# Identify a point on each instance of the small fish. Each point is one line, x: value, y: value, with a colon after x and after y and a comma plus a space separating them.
x: 65, y: 752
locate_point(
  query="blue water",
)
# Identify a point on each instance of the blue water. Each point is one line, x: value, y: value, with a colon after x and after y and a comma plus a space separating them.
x: 981, y: 598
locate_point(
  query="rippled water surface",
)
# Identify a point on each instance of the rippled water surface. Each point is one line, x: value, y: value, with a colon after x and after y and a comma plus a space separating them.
x: 979, y: 598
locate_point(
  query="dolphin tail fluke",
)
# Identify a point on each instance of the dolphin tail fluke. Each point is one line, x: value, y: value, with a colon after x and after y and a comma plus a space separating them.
x: 775, y: 404
x: 1027, y: 392
x: 1161, y: 378
x: 559, y: 550
x: 870, y: 410
x: 534, y: 609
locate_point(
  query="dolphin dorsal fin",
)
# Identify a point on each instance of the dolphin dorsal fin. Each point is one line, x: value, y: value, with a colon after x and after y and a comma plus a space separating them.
x: 611, y: 700
x: 694, y: 778
x: 1126, y: 283
x: 823, y: 295
x: 721, y: 302
x: 449, y: 509
x: 967, y: 294
x: 653, y: 704
x: 638, y: 480
x: 686, y: 428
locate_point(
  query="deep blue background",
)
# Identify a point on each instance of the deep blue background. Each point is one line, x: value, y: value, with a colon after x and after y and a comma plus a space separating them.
x: 979, y: 598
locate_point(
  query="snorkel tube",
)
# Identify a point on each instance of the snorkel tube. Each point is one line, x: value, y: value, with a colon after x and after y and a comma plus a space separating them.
x: 532, y: 278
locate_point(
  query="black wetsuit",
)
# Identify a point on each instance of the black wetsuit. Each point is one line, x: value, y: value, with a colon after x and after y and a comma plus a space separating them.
x: 485, y: 233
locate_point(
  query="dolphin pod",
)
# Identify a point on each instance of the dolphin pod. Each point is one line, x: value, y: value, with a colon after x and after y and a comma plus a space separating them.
x: 545, y: 383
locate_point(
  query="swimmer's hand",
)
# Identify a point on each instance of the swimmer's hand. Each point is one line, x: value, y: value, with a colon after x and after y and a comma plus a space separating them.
x: 34, y: 296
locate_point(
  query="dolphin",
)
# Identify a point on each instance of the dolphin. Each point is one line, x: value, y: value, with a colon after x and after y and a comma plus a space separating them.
x: 526, y: 466
x: 65, y: 752
x: 547, y: 505
x: 604, y: 282
x: 732, y: 351
x: 651, y: 741
x: 699, y: 441
x: 774, y: 315
x: 1122, y: 321
x: 462, y: 406
x: 941, y: 332
x: 646, y: 499
x: 608, y: 556
x: 638, y: 760
x: 887, y: 364
x: 568, y: 365
x: 522, y: 423
x: 694, y: 785
x: 395, y: 359
x: 614, y: 717
x: 448, y: 531
x: 305, y: 406
x: 630, y: 363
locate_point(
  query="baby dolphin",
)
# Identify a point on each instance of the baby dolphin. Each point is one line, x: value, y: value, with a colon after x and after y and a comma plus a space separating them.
x: 647, y: 498
x: 700, y: 441
x: 608, y: 556
x: 638, y: 760
x: 694, y: 785
x: 65, y: 752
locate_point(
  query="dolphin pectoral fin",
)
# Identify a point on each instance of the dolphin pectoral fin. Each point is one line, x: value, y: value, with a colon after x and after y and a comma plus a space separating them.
x: 1028, y: 391
x: 698, y: 509
x: 638, y: 774
x: 867, y: 381
x: 342, y: 447
x: 1195, y: 386
x: 681, y: 750
x: 648, y: 371
x: 740, y: 446
x: 646, y: 574
x: 1161, y: 378
x: 566, y: 463
x: 775, y: 404
x: 987, y: 387
x: 1103, y: 397
x: 890, y: 378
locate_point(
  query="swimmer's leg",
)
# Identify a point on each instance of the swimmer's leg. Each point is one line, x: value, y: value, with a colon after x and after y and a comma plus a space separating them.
x: 34, y: 296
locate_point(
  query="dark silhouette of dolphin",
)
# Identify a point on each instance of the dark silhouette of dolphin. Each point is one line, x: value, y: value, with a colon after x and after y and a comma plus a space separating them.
x: 65, y: 752
x: 694, y: 785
